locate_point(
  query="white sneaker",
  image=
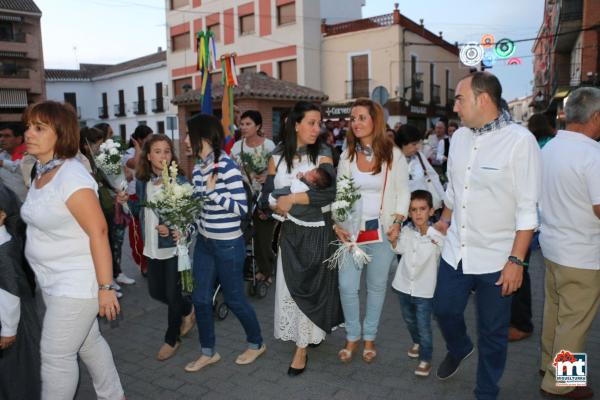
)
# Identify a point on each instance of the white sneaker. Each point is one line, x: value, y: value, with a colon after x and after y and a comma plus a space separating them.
x: 118, y: 294
x: 124, y: 279
x: 116, y: 286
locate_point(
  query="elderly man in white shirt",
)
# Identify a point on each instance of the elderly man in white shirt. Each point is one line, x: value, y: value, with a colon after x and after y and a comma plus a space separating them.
x: 570, y: 236
x: 494, y: 172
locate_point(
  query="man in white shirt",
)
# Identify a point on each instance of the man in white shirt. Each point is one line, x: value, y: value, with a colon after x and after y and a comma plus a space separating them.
x: 494, y: 172
x: 570, y: 236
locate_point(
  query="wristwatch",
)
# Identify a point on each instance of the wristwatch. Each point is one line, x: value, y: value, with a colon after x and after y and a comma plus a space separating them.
x: 106, y: 287
x: 518, y: 261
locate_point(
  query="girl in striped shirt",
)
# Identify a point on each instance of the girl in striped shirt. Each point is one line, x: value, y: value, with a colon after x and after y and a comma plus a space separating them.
x: 220, y: 249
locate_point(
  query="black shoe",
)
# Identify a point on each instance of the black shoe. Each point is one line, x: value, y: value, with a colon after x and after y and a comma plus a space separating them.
x: 314, y: 345
x: 450, y: 365
x: 297, y: 371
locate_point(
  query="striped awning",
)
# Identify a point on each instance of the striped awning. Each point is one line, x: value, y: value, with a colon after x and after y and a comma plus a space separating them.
x: 12, y: 18
x: 13, y: 98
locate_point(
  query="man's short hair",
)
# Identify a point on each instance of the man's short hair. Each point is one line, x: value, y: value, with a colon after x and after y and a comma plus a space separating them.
x: 484, y: 82
x: 422, y: 195
x: 17, y: 128
x: 582, y: 104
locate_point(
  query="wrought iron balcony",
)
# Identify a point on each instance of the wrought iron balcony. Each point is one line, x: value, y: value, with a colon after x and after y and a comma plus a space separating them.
x: 139, y: 107
x: 158, y: 105
x: 120, y: 110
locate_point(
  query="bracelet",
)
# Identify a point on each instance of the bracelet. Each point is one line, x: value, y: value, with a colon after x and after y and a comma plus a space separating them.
x: 518, y: 261
x: 398, y: 220
x: 106, y: 287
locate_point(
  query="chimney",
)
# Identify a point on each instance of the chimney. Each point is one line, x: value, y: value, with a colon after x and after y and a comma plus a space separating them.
x: 441, y: 35
x: 396, y: 14
x: 323, y: 26
x: 422, y: 21
x: 159, y: 49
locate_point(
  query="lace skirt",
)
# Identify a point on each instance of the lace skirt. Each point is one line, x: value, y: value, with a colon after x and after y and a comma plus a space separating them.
x: 290, y: 322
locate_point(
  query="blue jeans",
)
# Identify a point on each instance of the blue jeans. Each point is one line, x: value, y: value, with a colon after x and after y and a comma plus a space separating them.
x: 493, y: 317
x: 416, y: 312
x: 377, y: 276
x: 222, y: 261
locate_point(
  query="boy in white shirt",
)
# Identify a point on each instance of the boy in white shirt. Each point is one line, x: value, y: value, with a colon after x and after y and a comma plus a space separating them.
x: 420, y: 246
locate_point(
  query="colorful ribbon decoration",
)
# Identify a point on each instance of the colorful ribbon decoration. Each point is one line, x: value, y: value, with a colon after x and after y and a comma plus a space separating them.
x: 229, y: 80
x: 207, y: 62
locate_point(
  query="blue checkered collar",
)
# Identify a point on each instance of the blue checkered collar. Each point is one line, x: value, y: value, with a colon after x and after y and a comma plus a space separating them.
x: 504, y: 119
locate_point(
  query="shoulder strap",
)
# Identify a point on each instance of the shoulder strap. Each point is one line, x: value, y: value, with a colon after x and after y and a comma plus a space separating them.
x: 384, y: 186
x: 422, y: 165
x: 446, y: 146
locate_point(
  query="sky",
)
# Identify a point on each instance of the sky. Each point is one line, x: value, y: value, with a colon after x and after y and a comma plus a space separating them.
x: 113, y: 31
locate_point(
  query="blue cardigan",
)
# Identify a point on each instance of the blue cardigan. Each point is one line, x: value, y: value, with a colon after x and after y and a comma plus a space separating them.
x: 137, y: 206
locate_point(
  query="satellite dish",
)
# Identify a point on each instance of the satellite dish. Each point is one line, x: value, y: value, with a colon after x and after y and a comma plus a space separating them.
x: 380, y: 94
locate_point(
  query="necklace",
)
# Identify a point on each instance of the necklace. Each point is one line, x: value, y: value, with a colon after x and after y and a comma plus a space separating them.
x: 366, y: 150
x: 42, y: 169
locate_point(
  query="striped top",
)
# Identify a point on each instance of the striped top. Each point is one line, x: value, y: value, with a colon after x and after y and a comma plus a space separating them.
x: 224, y: 206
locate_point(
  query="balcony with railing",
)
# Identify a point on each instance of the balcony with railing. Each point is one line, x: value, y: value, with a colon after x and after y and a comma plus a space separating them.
x: 120, y: 110
x: 450, y: 98
x: 435, y: 94
x: 158, y: 105
x: 357, y: 88
x: 139, y: 107
x: 358, y: 25
x: 15, y: 37
x: 14, y: 74
x: 102, y: 112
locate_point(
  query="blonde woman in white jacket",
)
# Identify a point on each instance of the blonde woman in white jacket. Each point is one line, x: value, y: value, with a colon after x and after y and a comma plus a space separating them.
x: 380, y: 171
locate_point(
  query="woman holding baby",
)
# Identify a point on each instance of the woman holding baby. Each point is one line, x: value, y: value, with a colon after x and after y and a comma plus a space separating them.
x: 307, y: 301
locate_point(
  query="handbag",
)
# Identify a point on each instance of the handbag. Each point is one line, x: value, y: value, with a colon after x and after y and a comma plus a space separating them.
x: 437, y: 200
x: 373, y: 230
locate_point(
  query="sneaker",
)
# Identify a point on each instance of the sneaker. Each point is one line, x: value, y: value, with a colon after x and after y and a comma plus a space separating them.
x: 124, y: 279
x: 450, y: 365
x: 116, y: 286
x: 423, y: 369
x: 413, y: 352
x: 118, y: 294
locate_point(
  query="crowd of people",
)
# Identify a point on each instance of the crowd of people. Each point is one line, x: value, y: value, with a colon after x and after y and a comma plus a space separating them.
x: 454, y: 212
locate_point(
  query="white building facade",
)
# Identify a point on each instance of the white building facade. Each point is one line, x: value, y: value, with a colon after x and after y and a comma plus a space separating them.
x: 124, y: 95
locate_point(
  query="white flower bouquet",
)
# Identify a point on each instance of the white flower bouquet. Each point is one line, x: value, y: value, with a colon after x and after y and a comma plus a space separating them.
x: 109, y: 158
x: 347, y: 214
x: 255, y: 162
x: 109, y: 161
x: 176, y: 205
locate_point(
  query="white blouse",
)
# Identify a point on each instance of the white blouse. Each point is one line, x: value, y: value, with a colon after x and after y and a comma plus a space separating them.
x: 371, y: 189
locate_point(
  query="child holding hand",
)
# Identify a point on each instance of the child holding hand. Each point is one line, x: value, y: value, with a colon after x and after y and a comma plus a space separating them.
x: 420, y: 246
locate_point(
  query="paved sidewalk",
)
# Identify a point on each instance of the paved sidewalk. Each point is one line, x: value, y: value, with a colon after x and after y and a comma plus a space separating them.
x: 137, y: 336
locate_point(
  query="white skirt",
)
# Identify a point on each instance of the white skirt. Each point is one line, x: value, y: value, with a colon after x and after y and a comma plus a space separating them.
x: 290, y: 322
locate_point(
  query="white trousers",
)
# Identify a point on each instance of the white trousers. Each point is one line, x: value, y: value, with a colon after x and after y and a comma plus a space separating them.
x: 70, y: 328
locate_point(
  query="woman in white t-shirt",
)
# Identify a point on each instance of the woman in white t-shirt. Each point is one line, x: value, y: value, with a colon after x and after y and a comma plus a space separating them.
x: 67, y: 248
x: 380, y: 172
x: 250, y: 152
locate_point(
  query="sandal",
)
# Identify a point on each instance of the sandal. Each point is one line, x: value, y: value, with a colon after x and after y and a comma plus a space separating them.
x: 369, y: 355
x: 345, y: 354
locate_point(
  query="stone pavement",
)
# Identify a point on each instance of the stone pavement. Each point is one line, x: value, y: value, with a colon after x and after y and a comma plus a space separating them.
x: 137, y: 336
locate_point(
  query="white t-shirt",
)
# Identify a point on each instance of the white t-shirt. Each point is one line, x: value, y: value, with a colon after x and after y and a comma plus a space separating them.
x: 57, y: 248
x: 371, y: 189
x: 151, y: 249
x: 267, y: 146
x: 570, y: 231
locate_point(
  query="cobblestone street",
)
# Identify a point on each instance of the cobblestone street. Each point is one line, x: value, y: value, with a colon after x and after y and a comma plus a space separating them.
x: 137, y: 336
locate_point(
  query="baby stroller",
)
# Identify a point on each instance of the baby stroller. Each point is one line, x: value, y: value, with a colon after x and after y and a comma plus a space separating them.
x: 256, y: 288
x: 220, y: 309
